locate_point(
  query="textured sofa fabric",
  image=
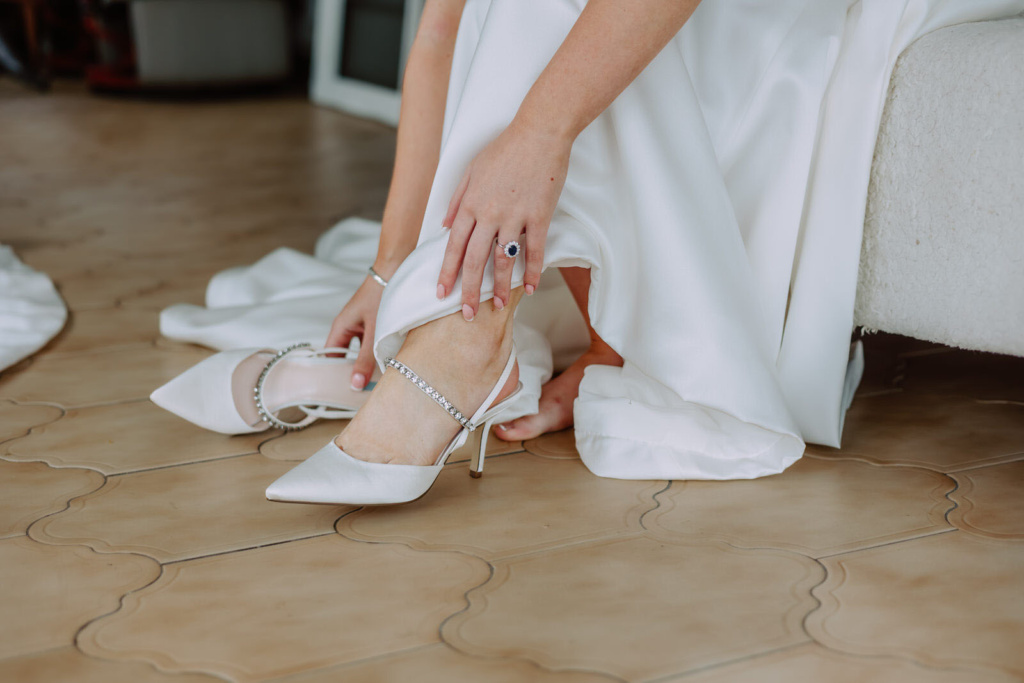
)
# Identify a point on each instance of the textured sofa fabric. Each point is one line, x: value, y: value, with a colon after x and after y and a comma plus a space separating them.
x: 943, y: 252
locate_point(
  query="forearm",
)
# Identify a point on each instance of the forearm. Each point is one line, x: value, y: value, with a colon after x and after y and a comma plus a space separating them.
x: 421, y: 119
x: 608, y: 47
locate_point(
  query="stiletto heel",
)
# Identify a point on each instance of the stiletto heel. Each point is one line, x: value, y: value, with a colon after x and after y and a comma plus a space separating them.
x: 476, y: 463
x: 333, y: 476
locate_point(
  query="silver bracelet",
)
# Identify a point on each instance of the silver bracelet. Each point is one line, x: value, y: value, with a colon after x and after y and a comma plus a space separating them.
x: 376, y: 276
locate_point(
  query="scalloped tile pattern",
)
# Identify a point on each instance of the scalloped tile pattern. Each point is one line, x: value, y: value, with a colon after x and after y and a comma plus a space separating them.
x: 287, y: 608
x: 540, y: 502
x: 687, y: 606
x: 940, y: 432
x: 126, y: 437
x: 183, y: 512
x: 816, y: 507
x: 815, y: 663
x: 31, y: 490
x: 68, y: 664
x: 537, y: 572
x: 48, y: 592
x: 990, y: 501
x: 17, y: 419
x: 442, y: 664
x: 896, y: 600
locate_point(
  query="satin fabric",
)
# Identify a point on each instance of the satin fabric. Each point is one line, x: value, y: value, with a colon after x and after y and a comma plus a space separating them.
x: 719, y: 203
x: 31, y: 310
x: 732, y: 172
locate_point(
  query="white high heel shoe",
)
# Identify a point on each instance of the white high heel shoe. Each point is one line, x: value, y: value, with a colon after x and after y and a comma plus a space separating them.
x: 332, y: 476
x: 243, y: 391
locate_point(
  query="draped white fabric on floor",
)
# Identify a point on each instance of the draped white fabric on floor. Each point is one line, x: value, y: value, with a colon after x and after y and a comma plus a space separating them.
x: 719, y: 202
x: 31, y: 310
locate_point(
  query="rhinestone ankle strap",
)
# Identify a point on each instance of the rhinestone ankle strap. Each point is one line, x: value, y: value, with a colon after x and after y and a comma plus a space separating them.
x: 265, y: 414
x: 431, y: 392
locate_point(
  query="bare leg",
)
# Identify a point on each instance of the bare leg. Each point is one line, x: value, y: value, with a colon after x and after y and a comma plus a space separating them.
x: 559, y: 394
x: 462, y: 360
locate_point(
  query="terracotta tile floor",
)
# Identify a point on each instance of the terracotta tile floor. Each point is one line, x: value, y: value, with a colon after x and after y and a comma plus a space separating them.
x: 135, y: 547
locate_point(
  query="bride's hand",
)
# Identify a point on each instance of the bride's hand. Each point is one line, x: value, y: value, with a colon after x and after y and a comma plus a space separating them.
x: 511, y: 187
x: 357, y: 319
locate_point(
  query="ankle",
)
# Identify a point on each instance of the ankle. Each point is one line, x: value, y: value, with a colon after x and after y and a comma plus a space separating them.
x: 600, y: 351
x: 487, y: 338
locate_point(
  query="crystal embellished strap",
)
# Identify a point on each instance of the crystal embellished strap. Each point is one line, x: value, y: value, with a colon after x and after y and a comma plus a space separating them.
x: 265, y: 414
x: 431, y: 392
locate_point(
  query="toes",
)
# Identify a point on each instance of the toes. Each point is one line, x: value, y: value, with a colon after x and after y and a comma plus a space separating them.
x: 529, y: 427
x: 506, y: 431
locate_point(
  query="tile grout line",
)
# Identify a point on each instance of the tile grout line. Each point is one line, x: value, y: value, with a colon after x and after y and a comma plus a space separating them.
x: 997, y: 401
x: 246, y: 549
x: 34, y: 653
x: 883, y: 545
x: 1014, y: 457
x: 718, y: 665
x: 67, y: 506
x: 120, y: 605
x: 655, y: 497
x: 593, y: 540
x: 820, y: 604
x: 955, y: 505
x: 465, y: 595
x: 486, y: 457
x: 899, y: 657
x: 992, y: 461
x: 157, y: 468
x: 355, y: 662
x: 28, y: 432
x: 499, y: 658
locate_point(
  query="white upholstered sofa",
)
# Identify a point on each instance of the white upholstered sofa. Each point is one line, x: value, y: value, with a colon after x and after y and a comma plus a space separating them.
x: 943, y: 251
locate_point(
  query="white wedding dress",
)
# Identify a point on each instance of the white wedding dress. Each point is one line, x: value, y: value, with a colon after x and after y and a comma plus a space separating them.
x: 719, y: 203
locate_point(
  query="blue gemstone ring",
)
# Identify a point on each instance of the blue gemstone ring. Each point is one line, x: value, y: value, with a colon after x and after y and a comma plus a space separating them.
x: 510, y: 249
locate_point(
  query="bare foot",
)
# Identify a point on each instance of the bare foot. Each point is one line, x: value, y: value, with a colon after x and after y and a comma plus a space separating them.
x: 557, y: 397
x: 462, y: 360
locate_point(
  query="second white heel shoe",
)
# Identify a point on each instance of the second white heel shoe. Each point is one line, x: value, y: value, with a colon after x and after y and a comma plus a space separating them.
x: 332, y: 476
x: 243, y: 391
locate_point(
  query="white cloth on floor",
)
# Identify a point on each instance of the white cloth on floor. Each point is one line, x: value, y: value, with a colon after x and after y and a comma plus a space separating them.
x: 31, y: 310
x: 719, y: 202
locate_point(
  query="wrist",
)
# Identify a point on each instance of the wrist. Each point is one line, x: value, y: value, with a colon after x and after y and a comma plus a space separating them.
x: 387, y: 264
x: 553, y: 129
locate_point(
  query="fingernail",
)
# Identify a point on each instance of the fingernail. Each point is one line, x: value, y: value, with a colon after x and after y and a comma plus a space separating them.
x: 498, y: 303
x: 467, y: 313
x: 358, y: 381
x: 529, y: 289
x: 440, y: 291
x: 503, y: 427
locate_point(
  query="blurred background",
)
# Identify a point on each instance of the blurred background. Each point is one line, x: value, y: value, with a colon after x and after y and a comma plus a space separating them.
x: 349, y: 53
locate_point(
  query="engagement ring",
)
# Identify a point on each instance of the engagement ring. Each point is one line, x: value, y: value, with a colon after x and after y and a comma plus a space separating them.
x: 510, y: 249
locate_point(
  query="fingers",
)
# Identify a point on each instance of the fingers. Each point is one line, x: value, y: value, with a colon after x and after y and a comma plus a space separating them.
x: 341, y: 333
x: 536, y: 238
x: 461, y: 225
x: 456, y: 202
x: 503, y: 270
x: 362, y: 369
x: 458, y: 239
x: 478, y: 254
